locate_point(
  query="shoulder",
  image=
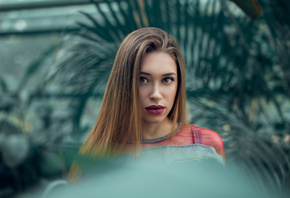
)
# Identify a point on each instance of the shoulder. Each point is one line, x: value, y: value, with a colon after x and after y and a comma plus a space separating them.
x: 210, y: 138
x: 207, y: 134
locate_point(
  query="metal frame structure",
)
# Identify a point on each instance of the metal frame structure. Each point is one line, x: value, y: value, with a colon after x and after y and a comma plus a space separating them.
x: 44, y: 4
x: 41, y: 5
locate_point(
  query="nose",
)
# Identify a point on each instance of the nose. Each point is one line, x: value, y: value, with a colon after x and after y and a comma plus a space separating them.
x: 155, y: 93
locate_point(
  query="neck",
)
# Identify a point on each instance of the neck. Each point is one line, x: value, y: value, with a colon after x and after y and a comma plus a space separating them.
x: 157, y: 130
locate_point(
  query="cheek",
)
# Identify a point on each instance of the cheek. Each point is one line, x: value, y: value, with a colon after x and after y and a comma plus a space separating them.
x: 171, y: 94
x: 142, y: 94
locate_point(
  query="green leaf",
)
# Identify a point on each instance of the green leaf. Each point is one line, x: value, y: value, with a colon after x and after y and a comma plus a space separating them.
x: 15, y: 150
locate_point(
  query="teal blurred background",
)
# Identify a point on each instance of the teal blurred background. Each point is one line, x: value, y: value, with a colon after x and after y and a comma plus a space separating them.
x: 56, y: 57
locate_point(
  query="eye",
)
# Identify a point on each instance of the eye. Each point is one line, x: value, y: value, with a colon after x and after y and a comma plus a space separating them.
x: 143, y: 80
x: 167, y: 80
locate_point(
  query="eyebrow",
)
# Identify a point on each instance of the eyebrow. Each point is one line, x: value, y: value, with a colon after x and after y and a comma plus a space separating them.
x: 168, y: 74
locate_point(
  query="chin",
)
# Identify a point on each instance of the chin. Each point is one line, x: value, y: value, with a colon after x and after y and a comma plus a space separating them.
x: 153, y: 121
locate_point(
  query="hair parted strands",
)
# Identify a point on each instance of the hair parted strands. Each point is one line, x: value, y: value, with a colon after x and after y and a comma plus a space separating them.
x: 119, y: 119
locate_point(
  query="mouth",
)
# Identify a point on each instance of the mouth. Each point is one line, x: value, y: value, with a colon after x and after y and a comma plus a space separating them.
x: 155, y: 109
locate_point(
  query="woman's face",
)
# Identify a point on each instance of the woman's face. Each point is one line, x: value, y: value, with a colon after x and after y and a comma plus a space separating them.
x: 158, y: 86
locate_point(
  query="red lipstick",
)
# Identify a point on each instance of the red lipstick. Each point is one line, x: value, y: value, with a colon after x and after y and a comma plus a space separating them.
x: 155, y: 109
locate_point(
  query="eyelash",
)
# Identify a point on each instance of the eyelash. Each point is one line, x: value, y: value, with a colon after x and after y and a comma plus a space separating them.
x: 168, y: 78
x: 143, y: 78
x: 163, y: 80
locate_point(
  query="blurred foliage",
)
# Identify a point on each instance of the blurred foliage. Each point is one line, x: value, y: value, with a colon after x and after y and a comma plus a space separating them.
x: 148, y: 177
x: 237, y: 83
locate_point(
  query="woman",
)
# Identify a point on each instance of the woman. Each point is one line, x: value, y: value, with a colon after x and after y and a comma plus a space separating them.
x: 143, y: 108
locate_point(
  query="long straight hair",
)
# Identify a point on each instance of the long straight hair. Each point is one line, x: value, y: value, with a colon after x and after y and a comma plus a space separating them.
x: 119, y: 119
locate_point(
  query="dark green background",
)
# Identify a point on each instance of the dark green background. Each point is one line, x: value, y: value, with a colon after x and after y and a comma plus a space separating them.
x: 56, y: 56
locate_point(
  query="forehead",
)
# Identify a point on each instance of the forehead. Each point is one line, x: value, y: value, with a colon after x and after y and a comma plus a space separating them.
x: 158, y: 62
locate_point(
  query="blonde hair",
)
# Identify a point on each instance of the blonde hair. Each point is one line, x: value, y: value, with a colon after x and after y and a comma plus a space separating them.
x: 119, y: 119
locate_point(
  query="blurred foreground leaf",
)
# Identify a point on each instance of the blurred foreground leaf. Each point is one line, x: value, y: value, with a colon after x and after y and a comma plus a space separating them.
x: 146, y: 179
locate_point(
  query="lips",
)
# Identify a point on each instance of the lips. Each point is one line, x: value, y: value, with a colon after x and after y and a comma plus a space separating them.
x: 155, y: 109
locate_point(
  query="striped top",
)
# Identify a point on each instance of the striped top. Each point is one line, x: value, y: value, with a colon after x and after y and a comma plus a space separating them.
x: 189, y: 142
